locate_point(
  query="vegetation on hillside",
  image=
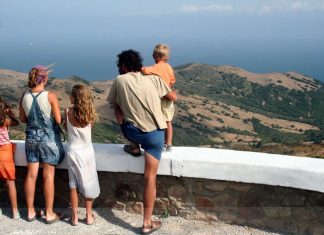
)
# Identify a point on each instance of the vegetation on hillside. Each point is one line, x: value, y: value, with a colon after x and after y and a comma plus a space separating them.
x: 206, y: 121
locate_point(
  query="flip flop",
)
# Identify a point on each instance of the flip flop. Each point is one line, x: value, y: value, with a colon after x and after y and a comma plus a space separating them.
x: 32, y: 218
x: 52, y: 221
x: 128, y: 149
x: 155, y: 225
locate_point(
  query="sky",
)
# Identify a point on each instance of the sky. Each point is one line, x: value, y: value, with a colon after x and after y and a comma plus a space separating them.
x: 83, y: 37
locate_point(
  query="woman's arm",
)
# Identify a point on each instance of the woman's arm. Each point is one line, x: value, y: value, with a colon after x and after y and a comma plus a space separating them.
x: 52, y: 98
x: 22, y: 114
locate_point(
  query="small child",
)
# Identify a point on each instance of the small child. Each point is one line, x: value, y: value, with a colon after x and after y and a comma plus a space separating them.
x: 164, y: 70
x: 7, y: 164
x: 83, y: 176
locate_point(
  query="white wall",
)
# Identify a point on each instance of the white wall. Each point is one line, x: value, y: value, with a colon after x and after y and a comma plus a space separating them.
x: 208, y: 163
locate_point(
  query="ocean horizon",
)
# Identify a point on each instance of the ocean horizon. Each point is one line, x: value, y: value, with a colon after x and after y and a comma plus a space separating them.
x: 97, y: 61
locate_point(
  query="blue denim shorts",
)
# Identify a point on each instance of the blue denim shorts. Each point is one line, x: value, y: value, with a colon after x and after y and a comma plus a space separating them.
x: 152, y: 142
x: 44, y: 152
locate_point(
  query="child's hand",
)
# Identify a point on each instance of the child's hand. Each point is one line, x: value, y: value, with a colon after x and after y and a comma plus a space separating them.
x: 9, y: 112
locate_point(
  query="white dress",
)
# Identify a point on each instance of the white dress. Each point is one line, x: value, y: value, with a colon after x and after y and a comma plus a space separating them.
x: 81, y: 161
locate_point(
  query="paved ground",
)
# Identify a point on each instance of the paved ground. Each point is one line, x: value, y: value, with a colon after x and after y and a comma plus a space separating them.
x: 117, y: 222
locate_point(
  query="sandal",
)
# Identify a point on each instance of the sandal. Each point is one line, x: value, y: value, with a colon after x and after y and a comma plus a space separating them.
x: 52, y: 221
x: 155, y: 225
x: 31, y: 219
x: 38, y: 214
x: 130, y: 150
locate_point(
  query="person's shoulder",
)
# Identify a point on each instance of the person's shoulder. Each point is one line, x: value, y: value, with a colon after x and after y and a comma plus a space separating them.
x: 51, y: 95
x: 121, y: 77
x: 151, y: 76
x: 168, y: 66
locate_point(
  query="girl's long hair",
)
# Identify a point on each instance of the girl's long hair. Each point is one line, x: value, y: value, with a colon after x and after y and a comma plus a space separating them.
x: 3, y: 113
x: 83, y: 110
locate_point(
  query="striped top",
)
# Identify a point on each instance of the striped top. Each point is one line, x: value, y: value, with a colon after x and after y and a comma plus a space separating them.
x: 4, y: 135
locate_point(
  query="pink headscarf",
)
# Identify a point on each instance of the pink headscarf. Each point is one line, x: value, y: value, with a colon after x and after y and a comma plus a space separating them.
x: 42, y: 73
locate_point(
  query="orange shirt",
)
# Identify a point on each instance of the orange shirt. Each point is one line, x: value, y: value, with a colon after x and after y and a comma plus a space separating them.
x: 163, y: 70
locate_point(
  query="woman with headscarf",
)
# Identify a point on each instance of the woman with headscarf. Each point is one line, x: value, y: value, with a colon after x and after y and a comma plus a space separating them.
x: 40, y: 110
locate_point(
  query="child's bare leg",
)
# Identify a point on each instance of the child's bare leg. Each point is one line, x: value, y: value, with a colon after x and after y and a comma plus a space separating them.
x: 89, y: 215
x: 168, y: 133
x: 74, y: 205
x: 13, y: 196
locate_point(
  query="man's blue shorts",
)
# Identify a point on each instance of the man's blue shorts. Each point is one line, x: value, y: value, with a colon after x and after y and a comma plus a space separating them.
x: 152, y: 142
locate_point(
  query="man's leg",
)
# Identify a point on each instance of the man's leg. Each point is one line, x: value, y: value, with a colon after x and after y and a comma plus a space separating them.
x: 150, y: 171
x: 132, y: 147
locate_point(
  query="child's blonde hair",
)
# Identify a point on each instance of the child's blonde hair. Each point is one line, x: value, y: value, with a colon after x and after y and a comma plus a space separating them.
x: 4, y: 111
x: 161, y: 51
x: 83, y: 110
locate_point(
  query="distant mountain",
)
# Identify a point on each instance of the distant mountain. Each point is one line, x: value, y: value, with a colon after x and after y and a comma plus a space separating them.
x: 230, y: 104
x: 217, y: 105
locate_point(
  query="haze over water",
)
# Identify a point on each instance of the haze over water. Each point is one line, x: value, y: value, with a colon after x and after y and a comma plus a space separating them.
x: 84, y: 37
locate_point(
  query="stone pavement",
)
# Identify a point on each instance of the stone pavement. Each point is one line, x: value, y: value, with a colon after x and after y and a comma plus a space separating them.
x: 118, y: 222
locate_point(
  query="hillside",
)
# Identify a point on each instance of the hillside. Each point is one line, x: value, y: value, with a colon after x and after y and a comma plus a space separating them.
x: 228, y: 107
x: 217, y: 106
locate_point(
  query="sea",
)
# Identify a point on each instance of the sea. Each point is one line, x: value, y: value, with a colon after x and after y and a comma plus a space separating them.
x: 97, y: 61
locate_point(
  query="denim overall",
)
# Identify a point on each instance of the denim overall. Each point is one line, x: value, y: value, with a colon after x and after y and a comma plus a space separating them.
x: 43, y: 142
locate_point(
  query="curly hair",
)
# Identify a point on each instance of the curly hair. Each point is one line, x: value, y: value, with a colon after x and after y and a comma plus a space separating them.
x: 131, y: 59
x: 4, y: 111
x: 83, y: 110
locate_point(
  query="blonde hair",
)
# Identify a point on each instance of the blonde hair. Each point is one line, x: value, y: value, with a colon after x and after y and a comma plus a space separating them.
x: 161, y: 51
x: 32, y: 78
x: 83, y: 110
x: 37, y: 75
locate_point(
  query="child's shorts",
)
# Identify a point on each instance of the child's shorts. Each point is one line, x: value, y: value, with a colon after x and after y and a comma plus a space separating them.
x: 167, y: 109
x: 152, y: 141
x: 7, y: 164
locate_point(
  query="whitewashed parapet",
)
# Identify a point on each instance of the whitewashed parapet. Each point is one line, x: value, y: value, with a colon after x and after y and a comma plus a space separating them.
x: 208, y: 163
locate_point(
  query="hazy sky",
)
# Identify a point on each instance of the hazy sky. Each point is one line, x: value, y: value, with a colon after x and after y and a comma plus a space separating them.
x: 242, y: 33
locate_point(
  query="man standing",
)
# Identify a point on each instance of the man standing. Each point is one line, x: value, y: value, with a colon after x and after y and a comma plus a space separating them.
x: 137, y: 103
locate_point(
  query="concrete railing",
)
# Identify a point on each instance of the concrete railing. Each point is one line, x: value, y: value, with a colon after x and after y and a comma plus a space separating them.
x: 215, y: 164
x: 207, y: 184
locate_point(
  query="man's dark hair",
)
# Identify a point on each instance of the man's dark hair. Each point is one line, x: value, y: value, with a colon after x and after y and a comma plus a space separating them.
x: 131, y: 59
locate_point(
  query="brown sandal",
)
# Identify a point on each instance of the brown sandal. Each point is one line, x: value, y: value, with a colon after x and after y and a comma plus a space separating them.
x: 130, y: 150
x: 155, y: 225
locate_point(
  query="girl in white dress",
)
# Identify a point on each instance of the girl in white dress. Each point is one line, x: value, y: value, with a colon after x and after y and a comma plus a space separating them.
x: 81, y: 160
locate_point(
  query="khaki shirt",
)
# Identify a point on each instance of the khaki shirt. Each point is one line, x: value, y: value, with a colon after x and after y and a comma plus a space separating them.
x: 139, y: 97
